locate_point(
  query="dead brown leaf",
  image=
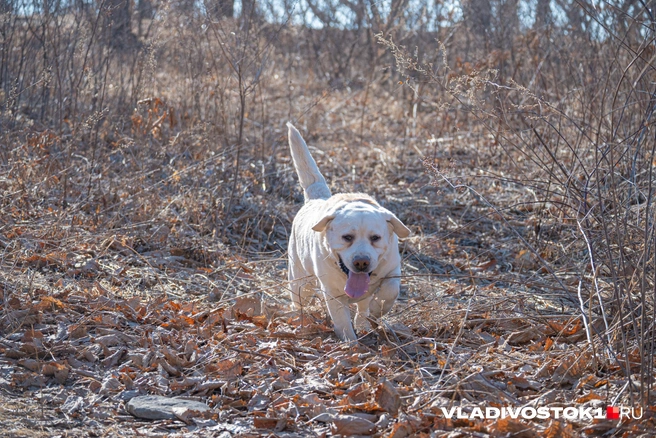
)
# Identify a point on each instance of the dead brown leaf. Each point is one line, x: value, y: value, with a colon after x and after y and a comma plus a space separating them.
x: 573, y: 366
x: 589, y: 396
x: 187, y: 415
x: 556, y: 429
x: 388, y: 397
x: 30, y: 364
x: 275, y: 423
x: 227, y: 368
x: 59, y: 371
x: 351, y: 425
x: 401, y: 430
x: 509, y: 427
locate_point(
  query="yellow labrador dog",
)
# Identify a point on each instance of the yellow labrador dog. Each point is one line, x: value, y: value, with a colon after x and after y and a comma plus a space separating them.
x: 347, y: 243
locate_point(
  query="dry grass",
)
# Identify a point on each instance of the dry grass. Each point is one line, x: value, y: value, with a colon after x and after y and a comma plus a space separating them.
x: 147, y: 192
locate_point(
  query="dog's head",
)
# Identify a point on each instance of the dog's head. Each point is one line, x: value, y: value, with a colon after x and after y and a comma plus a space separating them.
x: 359, y: 233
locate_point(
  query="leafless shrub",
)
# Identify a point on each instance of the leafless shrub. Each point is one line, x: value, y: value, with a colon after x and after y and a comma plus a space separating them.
x: 573, y: 120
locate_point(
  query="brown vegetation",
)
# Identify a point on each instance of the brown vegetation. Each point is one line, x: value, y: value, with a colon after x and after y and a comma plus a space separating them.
x: 147, y: 192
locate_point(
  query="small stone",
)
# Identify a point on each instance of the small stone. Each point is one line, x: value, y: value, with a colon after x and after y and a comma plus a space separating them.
x: 155, y: 407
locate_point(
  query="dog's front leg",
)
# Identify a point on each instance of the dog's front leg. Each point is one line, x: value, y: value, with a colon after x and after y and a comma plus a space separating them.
x: 362, y: 324
x: 385, y: 297
x: 341, y: 315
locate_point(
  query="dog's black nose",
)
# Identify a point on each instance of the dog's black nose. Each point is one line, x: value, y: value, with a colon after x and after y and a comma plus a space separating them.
x: 361, y: 263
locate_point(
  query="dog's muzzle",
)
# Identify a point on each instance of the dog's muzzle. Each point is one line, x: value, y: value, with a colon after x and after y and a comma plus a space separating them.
x: 344, y: 269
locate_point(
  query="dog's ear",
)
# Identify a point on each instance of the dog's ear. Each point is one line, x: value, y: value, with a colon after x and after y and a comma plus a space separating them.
x: 398, y: 227
x: 323, y: 223
x: 329, y: 214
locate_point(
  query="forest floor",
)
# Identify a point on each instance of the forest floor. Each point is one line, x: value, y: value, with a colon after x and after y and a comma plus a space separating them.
x: 129, y: 289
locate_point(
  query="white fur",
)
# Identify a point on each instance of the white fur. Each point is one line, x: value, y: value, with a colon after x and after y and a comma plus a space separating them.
x: 316, y: 243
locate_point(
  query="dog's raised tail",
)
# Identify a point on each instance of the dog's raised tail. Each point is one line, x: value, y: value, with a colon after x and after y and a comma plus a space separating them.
x: 313, y: 183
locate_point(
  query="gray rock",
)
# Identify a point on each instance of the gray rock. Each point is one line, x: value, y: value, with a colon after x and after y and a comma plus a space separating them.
x: 156, y: 407
x: 128, y: 394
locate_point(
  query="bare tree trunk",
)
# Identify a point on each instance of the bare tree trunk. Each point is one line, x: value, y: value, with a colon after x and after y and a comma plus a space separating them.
x: 358, y: 9
x: 478, y: 15
x: 145, y: 11
x: 217, y: 9
x: 248, y: 13
x: 575, y: 15
x: 396, y: 12
x: 507, y: 24
x: 118, y: 24
x: 543, y: 16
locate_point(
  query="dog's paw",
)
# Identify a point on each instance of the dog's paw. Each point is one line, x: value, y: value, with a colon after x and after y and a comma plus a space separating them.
x: 362, y: 325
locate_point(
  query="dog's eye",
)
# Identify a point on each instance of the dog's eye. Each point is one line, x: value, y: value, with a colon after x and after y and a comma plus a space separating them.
x: 375, y: 238
x: 347, y: 238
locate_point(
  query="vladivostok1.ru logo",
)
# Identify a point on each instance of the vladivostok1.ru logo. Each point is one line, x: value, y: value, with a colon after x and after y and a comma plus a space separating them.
x: 543, y: 413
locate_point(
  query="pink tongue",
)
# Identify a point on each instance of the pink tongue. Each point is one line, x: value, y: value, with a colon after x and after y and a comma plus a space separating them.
x: 357, y: 284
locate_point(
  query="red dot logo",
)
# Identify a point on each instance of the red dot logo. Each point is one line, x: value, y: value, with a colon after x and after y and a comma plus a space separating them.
x: 612, y: 413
